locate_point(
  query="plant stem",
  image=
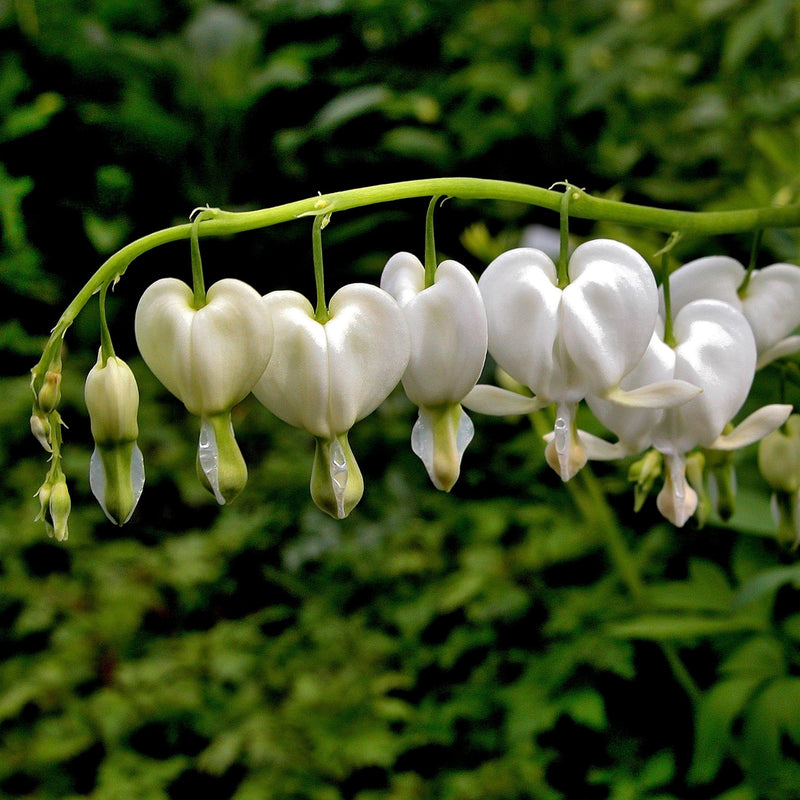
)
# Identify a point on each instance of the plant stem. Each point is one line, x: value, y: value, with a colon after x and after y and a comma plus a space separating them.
x: 321, y: 311
x: 430, y: 244
x: 106, y: 346
x: 582, y: 206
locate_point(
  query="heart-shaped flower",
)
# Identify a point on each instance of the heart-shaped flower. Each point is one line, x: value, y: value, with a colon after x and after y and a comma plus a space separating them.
x: 324, y: 377
x: 209, y: 358
x: 715, y: 351
x: 770, y: 300
x: 447, y: 325
x: 565, y: 344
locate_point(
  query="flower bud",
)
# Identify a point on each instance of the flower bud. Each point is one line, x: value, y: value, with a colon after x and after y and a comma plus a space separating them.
x: 50, y: 394
x: 643, y: 474
x: 60, y: 506
x: 779, y: 457
x: 116, y: 469
x: 40, y: 428
x: 112, y: 400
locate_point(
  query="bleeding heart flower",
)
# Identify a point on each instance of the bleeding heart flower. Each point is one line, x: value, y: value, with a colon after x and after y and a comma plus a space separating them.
x: 715, y: 351
x: 565, y: 344
x: 447, y: 325
x: 324, y: 377
x: 770, y: 301
x: 209, y: 358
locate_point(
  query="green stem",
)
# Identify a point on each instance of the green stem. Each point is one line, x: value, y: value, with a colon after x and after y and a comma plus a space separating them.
x: 669, y: 336
x: 430, y: 244
x: 321, y: 312
x: 752, y: 265
x: 198, y: 283
x: 563, y: 228
x: 582, y: 206
x: 106, y: 346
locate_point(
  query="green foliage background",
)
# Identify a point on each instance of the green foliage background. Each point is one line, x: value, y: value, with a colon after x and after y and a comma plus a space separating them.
x: 518, y: 639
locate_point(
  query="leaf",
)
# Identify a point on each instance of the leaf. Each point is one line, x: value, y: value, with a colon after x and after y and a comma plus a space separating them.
x: 663, y: 627
x: 716, y: 712
x: 350, y: 105
x: 706, y: 589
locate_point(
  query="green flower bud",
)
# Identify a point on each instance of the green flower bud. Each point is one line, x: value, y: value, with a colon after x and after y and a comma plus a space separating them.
x: 643, y: 474
x: 50, y: 394
x: 336, y: 481
x: 779, y: 457
x: 786, y: 514
x: 60, y: 506
x: 45, y: 490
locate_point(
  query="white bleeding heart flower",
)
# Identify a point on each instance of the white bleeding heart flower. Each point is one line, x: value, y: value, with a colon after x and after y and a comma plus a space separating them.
x: 209, y: 358
x: 324, y: 377
x: 448, y: 330
x: 565, y: 344
x: 715, y: 351
x: 770, y: 301
x: 116, y: 469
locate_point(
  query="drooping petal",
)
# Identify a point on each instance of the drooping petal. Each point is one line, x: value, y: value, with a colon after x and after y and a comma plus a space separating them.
x: 754, y: 427
x: 785, y: 347
x: 221, y: 467
x: 447, y: 325
x: 116, y: 478
x: 439, y: 437
x: 499, y: 402
x: 677, y: 501
x: 565, y: 452
x: 208, y: 357
x: 634, y: 426
x: 336, y: 481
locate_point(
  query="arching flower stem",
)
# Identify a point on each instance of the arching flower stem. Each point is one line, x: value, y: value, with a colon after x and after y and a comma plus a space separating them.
x: 582, y: 205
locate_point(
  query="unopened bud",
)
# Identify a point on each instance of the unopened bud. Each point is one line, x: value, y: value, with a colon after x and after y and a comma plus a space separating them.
x: 643, y: 474
x: 112, y: 399
x: 50, y: 394
x: 60, y: 506
x: 40, y: 428
x: 779, y: 457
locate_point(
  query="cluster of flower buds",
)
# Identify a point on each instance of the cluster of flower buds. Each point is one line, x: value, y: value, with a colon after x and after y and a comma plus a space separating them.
x: 595, y: 332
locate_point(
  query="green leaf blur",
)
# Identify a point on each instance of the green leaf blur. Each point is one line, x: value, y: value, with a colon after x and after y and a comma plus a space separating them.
x: 517, y: 639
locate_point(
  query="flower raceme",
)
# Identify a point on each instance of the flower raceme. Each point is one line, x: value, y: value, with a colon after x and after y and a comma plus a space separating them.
x: 567, y: 343
x: 447, y: 326
x: 209, y: 358
x: 324, y: 376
